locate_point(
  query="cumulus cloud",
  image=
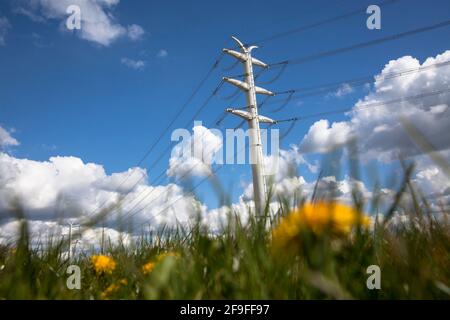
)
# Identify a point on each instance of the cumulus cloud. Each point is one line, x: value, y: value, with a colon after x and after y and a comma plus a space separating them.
x: 4, y: 26
x: 432, y: 181
x: 66, y: 188
x: 378, y: 129
x: 6, y: 139
x: 194, y: 155
x: 42, y: 233
x: 287, y: 184
x: 323, y: 137
x: 97, y: 21
x: 295, y: 188
x: 133, y: 64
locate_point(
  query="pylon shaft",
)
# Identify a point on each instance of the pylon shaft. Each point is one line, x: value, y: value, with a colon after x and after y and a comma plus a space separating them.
x: 256, y: 154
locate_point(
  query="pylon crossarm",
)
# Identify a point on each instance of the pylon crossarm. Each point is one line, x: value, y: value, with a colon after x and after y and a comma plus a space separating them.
x: 259, y: 63
x: 264, y: 119
x: 241, y: 113
x: 238, y: 83
x: 242, y: 57
x: 260, y: 90
x: 238, y: 55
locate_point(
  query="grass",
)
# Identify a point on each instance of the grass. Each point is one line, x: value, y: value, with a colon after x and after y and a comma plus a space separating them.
x: 244, y: 261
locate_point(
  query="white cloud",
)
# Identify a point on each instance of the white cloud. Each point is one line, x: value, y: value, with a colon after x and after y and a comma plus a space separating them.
x: 41, y: 233
x: 287, y: 184
x: 323, y: 137
x: 216, y: 219
x: 432, y: 182
x: 31, y: 14
x: 97, y: 21
x: 133, y: 64
x: 163, y: 53
x: 6, y: 139
x: 4, y: 26
x: 378, y: 129
x: 66, y: 188
x: 285, y: 163
x: 344, y: 90
x: 194, y: 155
x: 295, y: 188
x: 135, y: 32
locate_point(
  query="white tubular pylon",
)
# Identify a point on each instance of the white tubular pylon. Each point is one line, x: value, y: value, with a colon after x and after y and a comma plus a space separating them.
x: 253, y: 120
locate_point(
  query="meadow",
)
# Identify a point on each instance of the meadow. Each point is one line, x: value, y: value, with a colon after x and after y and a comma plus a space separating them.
x: 311, y: 247
x: 321, y: 250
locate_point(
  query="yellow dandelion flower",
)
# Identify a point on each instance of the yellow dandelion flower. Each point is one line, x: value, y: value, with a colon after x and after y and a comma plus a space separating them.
x: 148, y: 267
x: 113, y: 288
x: 164, y: 255
x: 109, y: 291
x: 318, y: 217
x: 103, y: 264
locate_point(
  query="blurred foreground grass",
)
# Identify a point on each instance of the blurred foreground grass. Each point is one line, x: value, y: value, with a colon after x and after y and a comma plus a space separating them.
x: 319, y: 252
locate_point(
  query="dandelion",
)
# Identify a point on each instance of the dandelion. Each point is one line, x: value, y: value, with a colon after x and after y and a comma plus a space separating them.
x: 113, y: 288
x: 148, y: 267
x: 318, y: 217
x: 103, y: 264
x: 109, y: 291
x: 164, y: 255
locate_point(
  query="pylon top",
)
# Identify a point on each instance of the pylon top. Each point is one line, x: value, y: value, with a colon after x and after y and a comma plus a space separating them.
x: 241, y: 45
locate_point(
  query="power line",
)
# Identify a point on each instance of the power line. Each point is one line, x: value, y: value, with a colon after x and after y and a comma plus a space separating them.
x: 162, y: 173
x: 178, y: 113
x: 320, y: 89
x: 169, y: 146
x: 181, y: 197
x: 294, y: 120
x: 320, y: 55
x: 369, y: 78
x: 216, y: 63
x: 320, y: 23
x: 218, y: 119
x: 377, y: 104
x: 130, y: 214
x: 360, y: 45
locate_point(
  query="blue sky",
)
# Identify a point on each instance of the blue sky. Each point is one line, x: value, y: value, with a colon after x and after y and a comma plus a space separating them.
x: 69, y: 96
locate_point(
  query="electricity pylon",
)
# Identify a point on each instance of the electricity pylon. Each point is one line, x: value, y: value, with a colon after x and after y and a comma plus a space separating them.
x: 253, y: 119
